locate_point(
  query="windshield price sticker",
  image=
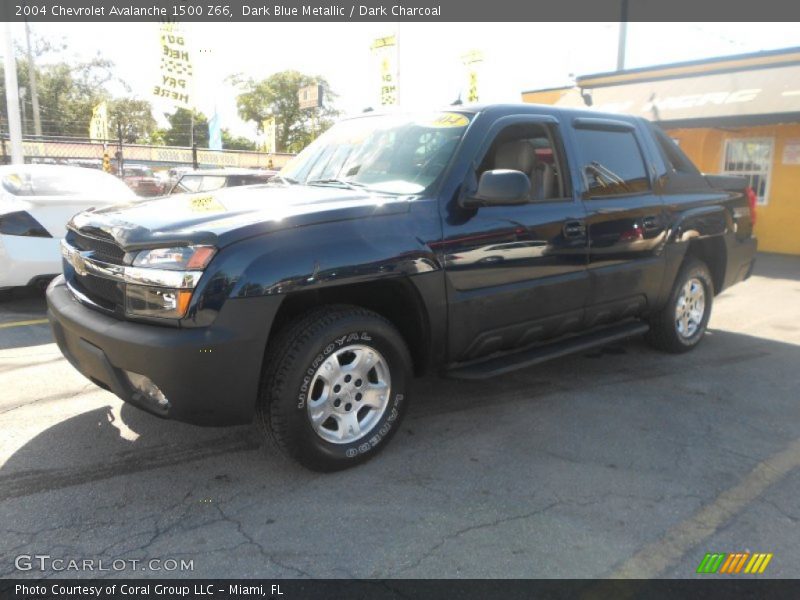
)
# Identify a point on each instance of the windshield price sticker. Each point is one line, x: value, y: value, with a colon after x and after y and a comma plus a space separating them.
x: 205, y: 204
x: 448, y: 120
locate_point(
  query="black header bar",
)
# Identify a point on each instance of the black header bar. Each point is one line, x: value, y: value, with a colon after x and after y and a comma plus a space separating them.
x: 398, y: 589
x: 400, y: 10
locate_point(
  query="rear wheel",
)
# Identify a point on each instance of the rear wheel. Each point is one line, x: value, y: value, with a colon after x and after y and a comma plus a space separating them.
x: 681, y: 324
x: 334, y: 387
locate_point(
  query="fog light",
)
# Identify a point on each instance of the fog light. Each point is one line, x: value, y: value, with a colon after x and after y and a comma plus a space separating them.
x: 156, y: 302
x: 148, y: 389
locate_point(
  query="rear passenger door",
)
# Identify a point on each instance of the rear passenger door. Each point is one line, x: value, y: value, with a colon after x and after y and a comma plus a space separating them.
x: 625, y: 219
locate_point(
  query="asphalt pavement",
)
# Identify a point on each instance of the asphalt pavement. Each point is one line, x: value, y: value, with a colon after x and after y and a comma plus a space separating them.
x: 617, y: 462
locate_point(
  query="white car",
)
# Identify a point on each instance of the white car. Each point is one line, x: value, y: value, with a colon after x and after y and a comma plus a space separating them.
x: 36, y: 202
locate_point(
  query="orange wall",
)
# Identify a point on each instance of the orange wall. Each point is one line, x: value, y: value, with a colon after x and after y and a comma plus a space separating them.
x: 544, y: 97
x: 778, y: 225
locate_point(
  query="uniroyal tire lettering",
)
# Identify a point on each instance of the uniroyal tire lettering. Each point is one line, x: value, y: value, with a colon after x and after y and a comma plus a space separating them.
x: 391, y: 417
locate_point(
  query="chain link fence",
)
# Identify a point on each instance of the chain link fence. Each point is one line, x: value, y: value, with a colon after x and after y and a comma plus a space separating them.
x: 92, y: 153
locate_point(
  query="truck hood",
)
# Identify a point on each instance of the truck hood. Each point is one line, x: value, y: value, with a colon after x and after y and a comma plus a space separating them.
x: 229, y: 215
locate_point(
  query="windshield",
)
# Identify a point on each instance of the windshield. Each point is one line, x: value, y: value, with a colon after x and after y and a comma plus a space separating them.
x: 199, y: 183
x: 391, y: 154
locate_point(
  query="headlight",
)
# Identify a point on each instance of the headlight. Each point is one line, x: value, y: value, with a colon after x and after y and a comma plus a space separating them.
x: 21, y: 223
x: 178, y: 259
x: 161, y: 281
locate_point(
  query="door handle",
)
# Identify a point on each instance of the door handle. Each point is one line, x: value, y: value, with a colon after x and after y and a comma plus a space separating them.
x: 649, y: 223
x: 574, y: 229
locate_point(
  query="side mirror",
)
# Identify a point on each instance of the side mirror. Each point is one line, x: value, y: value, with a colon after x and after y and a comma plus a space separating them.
x: 501, y: 187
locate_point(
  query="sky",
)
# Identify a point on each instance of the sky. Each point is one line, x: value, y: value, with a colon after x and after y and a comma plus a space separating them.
x: 517, y: 56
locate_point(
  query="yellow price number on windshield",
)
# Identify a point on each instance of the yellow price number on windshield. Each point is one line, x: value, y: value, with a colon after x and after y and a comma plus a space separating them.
x: 205, y: 204
x: 449, y: 120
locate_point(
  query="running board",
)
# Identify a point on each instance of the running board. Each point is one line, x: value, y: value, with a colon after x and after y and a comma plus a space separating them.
x: 497, y: 365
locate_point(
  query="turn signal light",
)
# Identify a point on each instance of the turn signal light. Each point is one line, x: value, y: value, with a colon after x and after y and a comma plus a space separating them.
x: 753, y: 200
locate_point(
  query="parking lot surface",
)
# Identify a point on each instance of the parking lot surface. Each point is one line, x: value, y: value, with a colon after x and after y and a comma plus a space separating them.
x: 618, y: 462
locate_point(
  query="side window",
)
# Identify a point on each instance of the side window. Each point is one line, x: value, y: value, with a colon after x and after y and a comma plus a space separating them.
x: 612, y: 163
x: 536, y: 150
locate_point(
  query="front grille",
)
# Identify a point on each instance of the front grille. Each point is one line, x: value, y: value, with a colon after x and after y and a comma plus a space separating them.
x: 103, y: 292
x: 102, y: 246
x: 106, y: 293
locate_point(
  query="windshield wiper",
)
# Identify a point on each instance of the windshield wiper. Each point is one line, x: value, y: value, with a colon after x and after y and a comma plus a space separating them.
x: 351, y: 185
x: 284, y: 179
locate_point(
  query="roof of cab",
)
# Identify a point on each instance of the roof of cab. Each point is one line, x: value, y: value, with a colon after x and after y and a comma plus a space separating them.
x: 502, y: 110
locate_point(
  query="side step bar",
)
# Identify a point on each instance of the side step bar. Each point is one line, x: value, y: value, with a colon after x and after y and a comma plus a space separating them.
x: 497, y: 365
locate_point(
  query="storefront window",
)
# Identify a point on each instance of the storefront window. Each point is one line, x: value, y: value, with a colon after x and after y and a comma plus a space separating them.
x: 751, y: 158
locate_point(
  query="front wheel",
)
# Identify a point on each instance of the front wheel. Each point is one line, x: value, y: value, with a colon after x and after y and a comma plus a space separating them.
x: 334, y: 387
x: 681, y: 324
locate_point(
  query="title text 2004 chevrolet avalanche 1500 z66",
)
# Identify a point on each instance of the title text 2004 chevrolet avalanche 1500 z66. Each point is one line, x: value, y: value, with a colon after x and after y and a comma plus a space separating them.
x: 473, y: 241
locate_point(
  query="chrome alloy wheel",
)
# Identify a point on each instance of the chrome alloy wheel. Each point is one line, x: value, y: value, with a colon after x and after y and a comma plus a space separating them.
x: 349, y: 393
x: 690, y: 308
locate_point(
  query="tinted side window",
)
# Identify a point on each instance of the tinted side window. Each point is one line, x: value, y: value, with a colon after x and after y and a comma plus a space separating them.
x: 612, y: 162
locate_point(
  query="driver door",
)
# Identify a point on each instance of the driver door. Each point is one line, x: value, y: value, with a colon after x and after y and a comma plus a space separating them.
x: 516, y: 275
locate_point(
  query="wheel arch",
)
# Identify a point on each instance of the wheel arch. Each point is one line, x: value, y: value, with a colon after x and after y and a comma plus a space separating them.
x: 396, y: 299
x: 713, y: 252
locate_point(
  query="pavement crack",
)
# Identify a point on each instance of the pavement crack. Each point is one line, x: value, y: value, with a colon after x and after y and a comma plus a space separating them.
x: 254, y: 542
x: 488, y: 525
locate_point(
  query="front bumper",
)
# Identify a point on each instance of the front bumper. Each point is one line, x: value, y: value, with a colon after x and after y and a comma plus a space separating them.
x: 209, y: 375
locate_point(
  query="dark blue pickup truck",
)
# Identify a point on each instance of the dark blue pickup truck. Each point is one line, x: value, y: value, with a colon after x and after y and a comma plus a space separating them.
x: 471, y: 241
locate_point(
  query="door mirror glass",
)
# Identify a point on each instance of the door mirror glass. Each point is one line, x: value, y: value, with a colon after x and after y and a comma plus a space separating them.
x: 501, y: 187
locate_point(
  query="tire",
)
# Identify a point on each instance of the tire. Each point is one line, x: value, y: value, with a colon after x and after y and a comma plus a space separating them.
x: 674, y: 329
x: 307, y: 373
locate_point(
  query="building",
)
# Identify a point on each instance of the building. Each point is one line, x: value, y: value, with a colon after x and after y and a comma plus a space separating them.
x: 738, y: 115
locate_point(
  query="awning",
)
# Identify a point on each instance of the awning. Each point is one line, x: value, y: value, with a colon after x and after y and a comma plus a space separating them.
x: 752, y: 93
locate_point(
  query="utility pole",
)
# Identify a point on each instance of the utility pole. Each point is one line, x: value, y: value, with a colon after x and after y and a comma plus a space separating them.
x: 37, y: 121
x: 23, y: 92
x: 12, y: 100
x: 623, y: 34
x: 120, y: 157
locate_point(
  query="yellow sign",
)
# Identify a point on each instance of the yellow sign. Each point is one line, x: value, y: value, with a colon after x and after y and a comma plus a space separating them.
x: 472, y: 61
x: 205, y: 204
x: 270, y: 130
x: 384, y: 51
x: 176, y: 72
x: 448, y: 120
x: 98, y: 126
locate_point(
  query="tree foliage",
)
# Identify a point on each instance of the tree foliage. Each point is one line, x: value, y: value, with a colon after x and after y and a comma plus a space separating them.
x: 179, y: 132
x: 277, y: 96
x: 236, y: 142
x: 69, y: 91
x: 134, y: 118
